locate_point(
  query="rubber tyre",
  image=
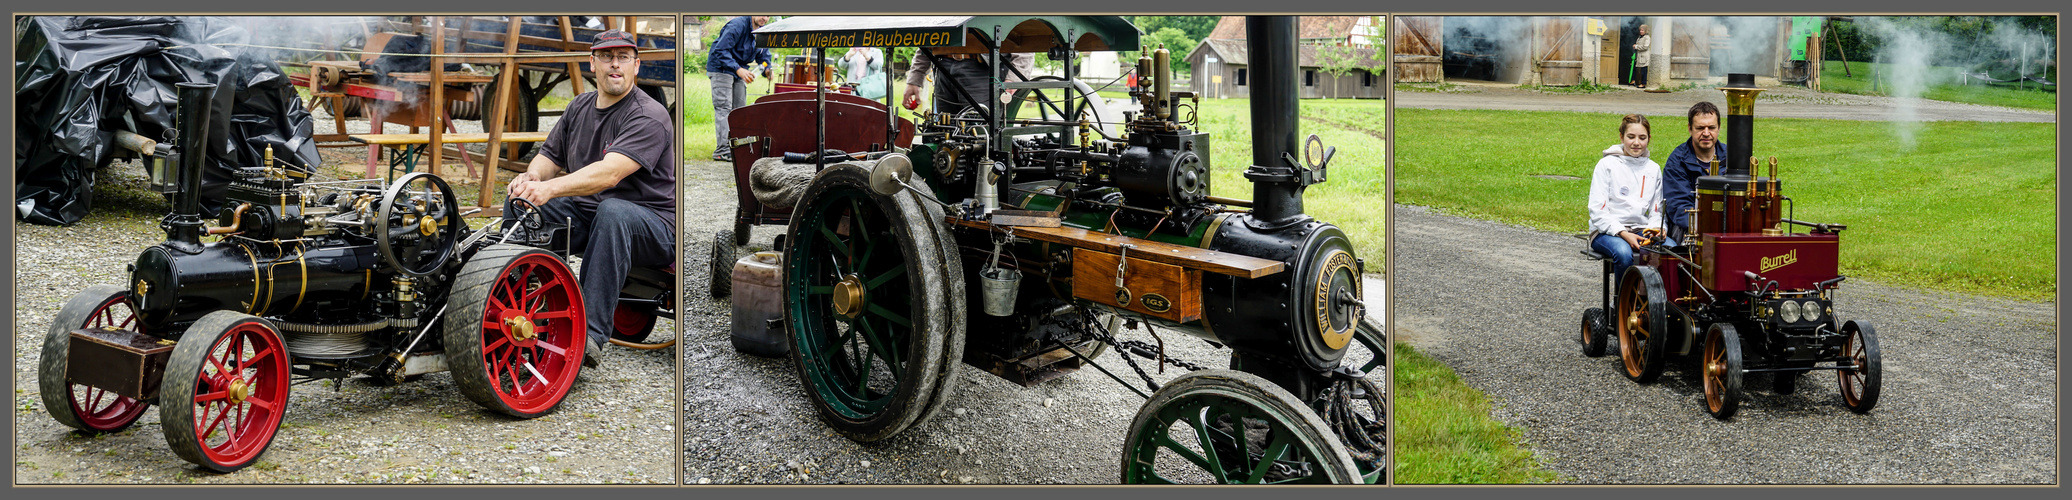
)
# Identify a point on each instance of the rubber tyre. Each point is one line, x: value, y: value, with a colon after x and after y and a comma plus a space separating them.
x: 97, y: 306
x: 210, y: 343
x: 1594, y: 333
x: 721, y: 271
x: 932, y: 339
x: 632, y: 324
x: 475, y: 335
x: 1192, y: 398
x: 1722, y: 371
x: 1859, y: 386
x: 1642, y: 324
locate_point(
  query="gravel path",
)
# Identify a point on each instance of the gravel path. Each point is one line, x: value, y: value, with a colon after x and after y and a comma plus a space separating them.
x: 1970, y: 391
x: 616, y: 426
x: 747, y: 419
x: 1804, y: 104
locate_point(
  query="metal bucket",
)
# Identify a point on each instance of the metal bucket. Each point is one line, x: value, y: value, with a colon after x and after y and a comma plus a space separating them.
x: 997, y: 286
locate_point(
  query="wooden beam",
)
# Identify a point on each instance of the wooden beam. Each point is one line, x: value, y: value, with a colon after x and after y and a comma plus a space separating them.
x: 497, y: 114
x: 1156, y: 251
x: 438, y: 91
x: 575, y: 71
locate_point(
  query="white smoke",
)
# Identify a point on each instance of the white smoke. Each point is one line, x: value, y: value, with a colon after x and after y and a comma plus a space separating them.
x: 2019, y: 49
x: 1503, y: 40
x: 1907, y: 54
x: 1752, y: 44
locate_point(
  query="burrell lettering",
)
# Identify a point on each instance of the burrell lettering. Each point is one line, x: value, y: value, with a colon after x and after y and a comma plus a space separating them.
x: 1787, y: 259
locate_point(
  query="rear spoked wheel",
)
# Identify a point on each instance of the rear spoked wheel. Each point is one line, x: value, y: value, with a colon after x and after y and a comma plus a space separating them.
x: 1230, y: 427
x: 1642, y: 324
x: 225, y: 390
x: 515, y: 334
x: 868, y: 283
x: 89, y: 409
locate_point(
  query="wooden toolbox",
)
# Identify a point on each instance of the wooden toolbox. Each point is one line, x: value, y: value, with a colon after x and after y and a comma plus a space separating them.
x: 121, y: 361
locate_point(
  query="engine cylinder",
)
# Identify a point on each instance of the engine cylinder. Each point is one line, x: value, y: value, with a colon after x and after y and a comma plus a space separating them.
x: 173, y: 288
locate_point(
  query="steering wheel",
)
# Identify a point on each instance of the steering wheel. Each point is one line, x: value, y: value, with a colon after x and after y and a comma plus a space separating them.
x: 419, y: 225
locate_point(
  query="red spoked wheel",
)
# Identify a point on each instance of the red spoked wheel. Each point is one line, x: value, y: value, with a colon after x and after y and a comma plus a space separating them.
x: 224, y: 391
x: 633, y: 325
x: 90, y: 409
x: 514, y: 335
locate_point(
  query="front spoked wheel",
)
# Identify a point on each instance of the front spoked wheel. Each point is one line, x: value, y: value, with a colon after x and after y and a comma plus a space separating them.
x: 224, y: 391
x: 870, y: 289
x: 1861, y: 380
x: 91, y: 410
x: 1230, y: 427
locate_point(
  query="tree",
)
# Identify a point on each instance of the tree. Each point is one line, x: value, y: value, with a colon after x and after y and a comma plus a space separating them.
x: 1174, y: 40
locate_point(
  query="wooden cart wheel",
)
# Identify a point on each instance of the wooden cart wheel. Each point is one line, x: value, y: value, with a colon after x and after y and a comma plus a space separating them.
x: 866, y: 286
x: 225, y: 390
x: 1226, y: 426
x: 514, y: 333
x: 721, y: 269
x: 1642, y: 324
x: 91, y: 410
x: 1594, y: 332
x: 1860, y: 381
x: 1722, y: 371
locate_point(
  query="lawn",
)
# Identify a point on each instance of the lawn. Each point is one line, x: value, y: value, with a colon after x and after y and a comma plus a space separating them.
x: 1444, y: 434
x: 1947, y: 215
x: 1943, y: 85
x: 1351, y: 198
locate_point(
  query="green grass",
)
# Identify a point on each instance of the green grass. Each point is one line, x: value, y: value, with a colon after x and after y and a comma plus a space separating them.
x: 1444, y: 434
x: 1971, y: 208
x: 1943, y: 87
x: 1350, y: 199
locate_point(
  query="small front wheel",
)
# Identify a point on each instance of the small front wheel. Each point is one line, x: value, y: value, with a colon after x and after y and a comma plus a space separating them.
x: 1860, y: 380
x: 224, y: 391
x: 1722, y: 371
x: 1595, y: 333
x: 1231, y: 427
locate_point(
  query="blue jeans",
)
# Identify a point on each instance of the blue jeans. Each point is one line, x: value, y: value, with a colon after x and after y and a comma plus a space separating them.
x: 1615, y: 247
x: 612, y: 239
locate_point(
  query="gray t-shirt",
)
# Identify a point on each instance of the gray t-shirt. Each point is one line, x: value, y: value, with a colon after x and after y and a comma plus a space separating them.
x: 637, y: 127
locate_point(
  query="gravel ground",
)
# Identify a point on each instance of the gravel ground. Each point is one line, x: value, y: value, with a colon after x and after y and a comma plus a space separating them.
x: 1804, y: 104
x: 616, y: 426
x: 747, y: 419
x: 1970, y: 391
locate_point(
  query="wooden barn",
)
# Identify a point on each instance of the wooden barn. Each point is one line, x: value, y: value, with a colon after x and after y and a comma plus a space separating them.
x: 1569, y: 50
x: 1327, y: 44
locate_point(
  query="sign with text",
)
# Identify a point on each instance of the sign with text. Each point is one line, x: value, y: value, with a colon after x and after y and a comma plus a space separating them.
x: 901, y: 37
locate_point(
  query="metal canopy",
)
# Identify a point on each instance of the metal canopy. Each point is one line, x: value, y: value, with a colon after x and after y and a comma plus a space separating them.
x: 951, y: 34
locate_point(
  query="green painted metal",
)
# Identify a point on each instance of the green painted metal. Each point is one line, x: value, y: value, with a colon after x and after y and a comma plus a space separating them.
x: 841, y: 368
x: 1207, y: 447
x: 1098, y: 221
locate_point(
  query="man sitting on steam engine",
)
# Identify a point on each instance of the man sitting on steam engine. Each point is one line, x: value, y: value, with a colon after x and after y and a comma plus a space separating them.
x: 1689, y: 161
x: 609, y: 166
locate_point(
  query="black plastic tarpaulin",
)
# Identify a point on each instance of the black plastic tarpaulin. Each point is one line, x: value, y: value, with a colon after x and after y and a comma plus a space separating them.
x: 78, y: 80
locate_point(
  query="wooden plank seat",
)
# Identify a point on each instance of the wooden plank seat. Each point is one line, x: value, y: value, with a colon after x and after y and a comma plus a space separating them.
x: 409, y: 145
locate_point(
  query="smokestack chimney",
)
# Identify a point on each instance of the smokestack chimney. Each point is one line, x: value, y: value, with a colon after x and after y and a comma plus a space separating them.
x: 183, y: 227
x: 1276, y: 127
x: 1741, y: 92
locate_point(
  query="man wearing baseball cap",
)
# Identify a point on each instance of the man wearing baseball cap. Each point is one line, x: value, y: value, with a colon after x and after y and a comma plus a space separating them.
x: 609, y: 166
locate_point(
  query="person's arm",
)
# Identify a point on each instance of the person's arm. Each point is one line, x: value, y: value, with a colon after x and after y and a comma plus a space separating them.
x: 1676, y: 190
x: 641, y: 138
x: 1653, y: 202
x: 917, y: 73
x: 722, y: 53
x: 1601, y: 218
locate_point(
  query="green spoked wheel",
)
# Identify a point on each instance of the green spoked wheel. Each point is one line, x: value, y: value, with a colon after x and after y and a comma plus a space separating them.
x: 1642, y: 323
x: 871, y: 289
x: 1357, y: 410
x: 89, y: 409
x: 225, y: 390
x: 1223, y: 426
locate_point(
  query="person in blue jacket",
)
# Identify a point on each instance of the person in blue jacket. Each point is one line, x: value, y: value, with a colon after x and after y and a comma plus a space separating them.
x: 1687, y: 163
x: 727, y: 64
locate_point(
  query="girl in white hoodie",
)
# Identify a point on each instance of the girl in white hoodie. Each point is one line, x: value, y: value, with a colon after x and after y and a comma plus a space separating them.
x: 1625, y: 196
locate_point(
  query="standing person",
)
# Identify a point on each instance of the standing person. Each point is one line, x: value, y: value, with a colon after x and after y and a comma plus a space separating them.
x: 618, y: 188
x: 1689, y: 161
x: 1625, y: 196
x: 1640, y: 57
x: 864, y: 66
x: 727, y: 64
x: 969, y: 71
